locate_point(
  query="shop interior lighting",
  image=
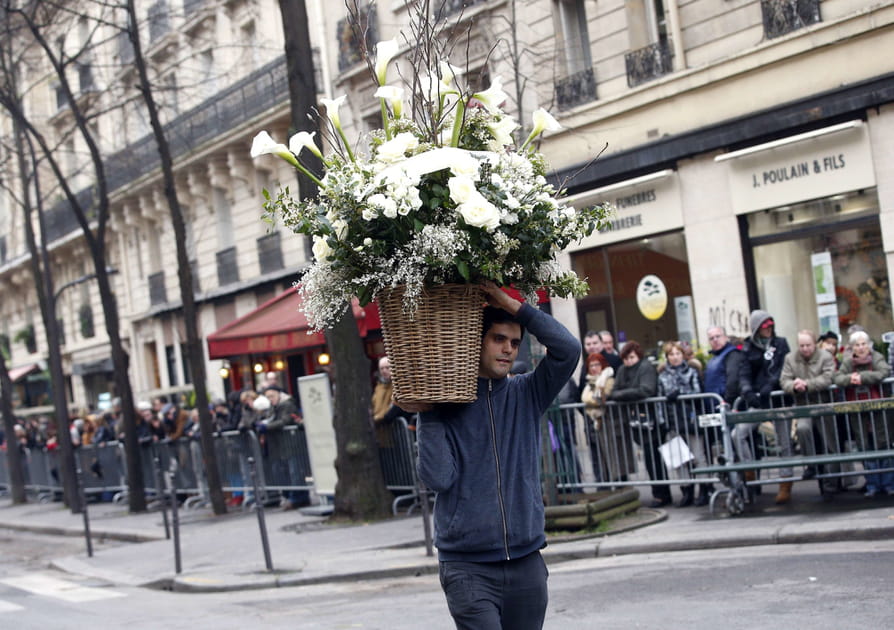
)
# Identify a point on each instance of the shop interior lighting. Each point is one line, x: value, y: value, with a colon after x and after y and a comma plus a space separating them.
x: 816, y: 133
x: 323, y: 359
x: 258, y: 367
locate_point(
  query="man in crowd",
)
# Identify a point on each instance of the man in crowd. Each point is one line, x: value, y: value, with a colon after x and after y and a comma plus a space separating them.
x: 608, y: 342
x: 482, y: 458
x: 593, y: 345
x: 764, y: 356
x: 722, y: 371
x: 806, y: 376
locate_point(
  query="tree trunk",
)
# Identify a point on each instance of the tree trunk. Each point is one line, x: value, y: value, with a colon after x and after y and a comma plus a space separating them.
x: 360, y: 492
x: 14, y: 460
x: 194, y: 349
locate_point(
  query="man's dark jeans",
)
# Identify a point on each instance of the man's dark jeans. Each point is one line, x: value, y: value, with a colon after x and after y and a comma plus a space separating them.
x: 507, y: 595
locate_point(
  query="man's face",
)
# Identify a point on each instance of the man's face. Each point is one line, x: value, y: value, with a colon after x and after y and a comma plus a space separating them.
x: 766, y: 329
x: 608, y: 342
x: 829, y: 345
x: 273, y: 396
x: 499, y: 349
x: 717, y: 338
x: 806, y: 346
x: 385, y: 369
x: 592, y: 344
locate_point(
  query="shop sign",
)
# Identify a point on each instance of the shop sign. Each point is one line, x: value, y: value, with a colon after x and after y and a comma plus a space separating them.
x: 640, y: 207
x: 651, y: 297
x: 813, y: 165
x: 316, y: 407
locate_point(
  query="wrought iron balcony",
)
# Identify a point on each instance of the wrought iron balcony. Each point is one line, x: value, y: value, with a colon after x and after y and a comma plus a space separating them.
x: 125, y: 48
x: 270, y: 253
x: 450, y: 7
x: 784, y: 16
x: 576, y: 89
x: 350, y: 51
x: 227, y: 267
x: 159, y: 21
x: 157, y: 293
x: 649, y: 63
x: 191, y: 6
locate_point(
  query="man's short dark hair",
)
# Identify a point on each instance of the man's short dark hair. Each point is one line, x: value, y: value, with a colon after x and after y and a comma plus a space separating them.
x: 494, y: 315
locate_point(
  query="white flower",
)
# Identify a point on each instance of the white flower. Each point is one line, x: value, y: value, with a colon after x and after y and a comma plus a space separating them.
x: 385, y: 52
x: 304, y: 140
x: 332, y: 106
x: 543, y: 121
x: 459, y: 161
x: 340, y: 227
x: 448, y: 73
x: 502, y: 131
x: 492, y: 97
x: 396, y: 148
x: 479, y: 212
x: 395, y: 96
x: 263, y: 144
x: 321, y: 249
x: 461, y: 188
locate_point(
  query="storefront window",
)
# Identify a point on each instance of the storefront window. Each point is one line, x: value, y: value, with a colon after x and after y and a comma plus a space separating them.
x: 820, y: 265
x: 614, y: 273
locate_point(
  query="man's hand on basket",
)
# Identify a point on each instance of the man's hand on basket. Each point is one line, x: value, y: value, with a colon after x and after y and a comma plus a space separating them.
x: 500, y: 299
x: 414, y: 407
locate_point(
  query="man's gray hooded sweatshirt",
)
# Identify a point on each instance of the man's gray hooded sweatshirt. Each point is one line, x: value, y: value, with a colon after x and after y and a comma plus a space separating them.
x: 762, y: 367
x: 483, y: 458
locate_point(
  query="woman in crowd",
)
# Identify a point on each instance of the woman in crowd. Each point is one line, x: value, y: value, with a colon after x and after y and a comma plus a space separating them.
x: 637, y: 380
x: 677, y: 378
x: 860, y: 375
x: 612, y: 452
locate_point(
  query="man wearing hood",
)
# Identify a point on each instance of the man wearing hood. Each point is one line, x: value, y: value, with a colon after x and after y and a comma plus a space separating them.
x: 764, y: 357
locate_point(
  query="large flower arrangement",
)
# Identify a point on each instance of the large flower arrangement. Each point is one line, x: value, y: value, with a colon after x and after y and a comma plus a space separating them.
x: 442, y: 196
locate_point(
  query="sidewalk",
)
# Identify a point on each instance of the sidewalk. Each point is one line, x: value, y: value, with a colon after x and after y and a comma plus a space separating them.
x: 225, y: 553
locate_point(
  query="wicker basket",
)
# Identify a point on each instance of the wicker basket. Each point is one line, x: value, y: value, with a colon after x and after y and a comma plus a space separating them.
x: 434, y: 356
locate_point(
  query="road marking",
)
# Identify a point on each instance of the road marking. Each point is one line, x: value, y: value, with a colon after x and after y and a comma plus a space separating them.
x: 50, y: 586
x: 6, y: 607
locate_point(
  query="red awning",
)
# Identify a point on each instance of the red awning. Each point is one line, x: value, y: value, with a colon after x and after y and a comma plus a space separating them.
x: 277, y: 326
x: 17, y: 373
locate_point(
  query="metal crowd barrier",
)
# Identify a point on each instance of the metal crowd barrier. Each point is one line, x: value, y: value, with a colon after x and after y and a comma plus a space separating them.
x: 102, y: 468
x: 651, y: 441
x: 835, y: 436
x: 233, y: 448
x: 397, y: 455
x: 4, y: 474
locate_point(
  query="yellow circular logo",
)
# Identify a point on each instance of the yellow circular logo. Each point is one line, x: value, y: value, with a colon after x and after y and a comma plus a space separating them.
x: 651, y: 297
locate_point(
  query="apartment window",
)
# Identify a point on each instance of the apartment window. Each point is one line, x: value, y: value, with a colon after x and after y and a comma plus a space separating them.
x: 249, y: 39
x: 784, y: 16
x: 159, y: 21
x: 576, y: 82
x: 651, y: 56
x: 223, y: 215
x: 209, y: 82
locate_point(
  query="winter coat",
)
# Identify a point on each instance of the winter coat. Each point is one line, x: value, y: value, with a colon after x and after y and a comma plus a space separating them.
x: 673, y: 381
x: 818, y: 371
x: 483, y: 457
x: 722, y: 372
x: 763, y: 363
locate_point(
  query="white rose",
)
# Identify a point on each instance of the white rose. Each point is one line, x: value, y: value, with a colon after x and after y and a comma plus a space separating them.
x: 389, y: 208
x: 396, y: 148
x: 461, y: 188
x: 479, y: 212
x: 321, y: 249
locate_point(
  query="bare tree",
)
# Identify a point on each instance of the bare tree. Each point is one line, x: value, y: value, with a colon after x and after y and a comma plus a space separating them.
x: 360, y: 491
x: 42, y: 21
x: 193, y: 340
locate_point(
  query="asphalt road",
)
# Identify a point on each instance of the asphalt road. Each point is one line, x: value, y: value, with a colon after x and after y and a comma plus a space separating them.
x: 834, y: 586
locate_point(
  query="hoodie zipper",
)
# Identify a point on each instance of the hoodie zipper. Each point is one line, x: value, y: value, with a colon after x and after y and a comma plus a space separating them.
x: 493, y: 431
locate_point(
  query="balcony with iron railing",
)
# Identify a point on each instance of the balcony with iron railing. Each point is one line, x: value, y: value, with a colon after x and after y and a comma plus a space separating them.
x: 159, y: 21
x: 348, y: 30
x: 576, y: 89
x: 451, y: 7
x: 649, y: 63
x: 246, y: 99
x: 784, y: 16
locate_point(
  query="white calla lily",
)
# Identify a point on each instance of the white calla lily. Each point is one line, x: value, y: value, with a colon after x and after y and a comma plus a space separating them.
x: 385, y: 52
x: 332, y: 106
x: 395, y: 96
x: 304, y: 140
x: 263, y: 144
x: 492, y: 97
x: 543, y: 121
